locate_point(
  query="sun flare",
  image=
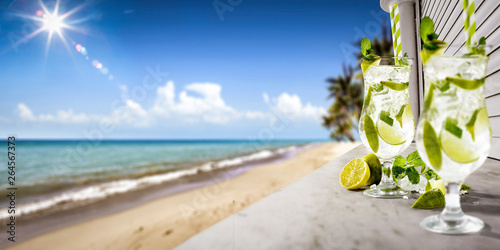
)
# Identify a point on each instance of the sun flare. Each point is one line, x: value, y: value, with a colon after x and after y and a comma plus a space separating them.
x: 53, y: 23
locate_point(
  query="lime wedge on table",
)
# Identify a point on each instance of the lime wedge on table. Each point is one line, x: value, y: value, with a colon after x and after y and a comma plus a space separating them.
x: 366, y: 64
x: 466, y: 84
x: 457, y: 149
x: 431, y: 145
x: 390, y: 133
x: 375, y: 168
x: 432, y: 184
x: 371, y: 133
x: 430, y: 199
x: 355, y: 174
x: 398, y: 86
x: 404, y: 115
x: 427, y: 53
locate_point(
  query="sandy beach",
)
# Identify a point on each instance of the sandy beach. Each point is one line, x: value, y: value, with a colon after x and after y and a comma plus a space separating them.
x: 168, y: 221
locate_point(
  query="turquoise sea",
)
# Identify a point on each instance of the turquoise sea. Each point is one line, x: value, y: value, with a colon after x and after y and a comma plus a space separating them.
x: 49, y: 173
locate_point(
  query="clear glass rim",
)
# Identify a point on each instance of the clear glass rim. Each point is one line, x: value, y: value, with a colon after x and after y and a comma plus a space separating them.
x: 391, y: 58
x: 463, y: 45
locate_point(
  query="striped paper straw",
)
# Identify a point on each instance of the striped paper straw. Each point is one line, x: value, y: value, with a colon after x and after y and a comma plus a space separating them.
x: 396, y: 30
x: 469, y: 22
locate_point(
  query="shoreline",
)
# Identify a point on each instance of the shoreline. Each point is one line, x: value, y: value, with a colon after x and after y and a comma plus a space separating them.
x: 184, y: 205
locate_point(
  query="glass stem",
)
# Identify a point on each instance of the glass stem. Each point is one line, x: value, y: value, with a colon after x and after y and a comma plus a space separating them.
x: 387, y: 182
x: 452, y: 213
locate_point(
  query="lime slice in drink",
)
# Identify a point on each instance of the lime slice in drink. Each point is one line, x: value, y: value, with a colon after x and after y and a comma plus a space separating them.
x: 389, y: 132
x: 368, y: 97
x: 457, y: 148
x: 431, y: 145
x: 439, y: 184
x: 432, y: 48
x: 429, y: 96
x: 366, y: 64
x: 430, y: 199
x: 371, y: 133
x: 478, y: 122
x: 375, y: 168
x: 395, y: 85
x: 466, y: 84
x: 405, y: 115
x: 355, y: 174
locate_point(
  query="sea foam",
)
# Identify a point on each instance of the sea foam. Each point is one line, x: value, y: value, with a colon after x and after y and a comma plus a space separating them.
x: 97, y: 192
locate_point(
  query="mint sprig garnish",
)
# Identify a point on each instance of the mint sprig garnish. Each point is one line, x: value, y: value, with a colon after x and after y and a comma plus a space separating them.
x: 367, y: 51
x: 427, y: 30
x: 428, y: 35
x: 403, y: 167
x: 479, y: 49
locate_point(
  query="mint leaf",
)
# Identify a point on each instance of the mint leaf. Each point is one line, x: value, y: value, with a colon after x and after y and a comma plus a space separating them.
x: 482, y: 41
x: 433, y: 36
x: 366, y: 45
x: 385, y: 117
x: 414, y: 159
x: 398, y: 172
x: 413, y: 156
x: 430, y: 46
x: 450, y: 126
x: 470, y: 124
x: 464, y: 187
x: 426, y: 29
x: 413, y: 175
x: 378, y: 87
x: 430, y: 174
x: 442, y: 85
x: 399, y: 161
x: 399, y: 116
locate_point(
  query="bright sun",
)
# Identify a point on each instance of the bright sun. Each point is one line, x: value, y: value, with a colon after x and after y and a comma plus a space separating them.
x: 52, y: 23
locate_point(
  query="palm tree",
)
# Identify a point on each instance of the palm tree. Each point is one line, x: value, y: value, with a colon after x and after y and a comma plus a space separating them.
x: 347, y: 92
x: 348, y: 97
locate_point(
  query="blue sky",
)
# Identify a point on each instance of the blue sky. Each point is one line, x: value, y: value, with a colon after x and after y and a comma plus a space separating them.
x: 223, y: 72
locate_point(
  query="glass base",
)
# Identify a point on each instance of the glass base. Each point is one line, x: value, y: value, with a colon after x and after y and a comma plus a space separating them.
x: 386, y: 193
x: 469, y: 224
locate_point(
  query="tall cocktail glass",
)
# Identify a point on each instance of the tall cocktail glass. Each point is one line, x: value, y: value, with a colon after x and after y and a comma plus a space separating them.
x: 387, y: 126
x: 453, y: 134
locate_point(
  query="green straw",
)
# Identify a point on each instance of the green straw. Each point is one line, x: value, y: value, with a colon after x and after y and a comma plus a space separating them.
x: 396, y: 30
x: 469, y: 22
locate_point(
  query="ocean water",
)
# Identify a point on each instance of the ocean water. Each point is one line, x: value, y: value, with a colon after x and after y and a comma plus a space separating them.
x: 51, y: 173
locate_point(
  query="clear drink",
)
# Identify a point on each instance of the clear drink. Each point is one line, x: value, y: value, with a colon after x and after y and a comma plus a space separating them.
x: 454, y: 135
x: 387, y: 125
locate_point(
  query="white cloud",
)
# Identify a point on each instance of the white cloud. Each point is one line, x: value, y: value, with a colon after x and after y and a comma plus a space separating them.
x: 292, y: 106
x: 62, y: 116
x: 207, y: 106
x: 24, y: 112
x: 197, y: 102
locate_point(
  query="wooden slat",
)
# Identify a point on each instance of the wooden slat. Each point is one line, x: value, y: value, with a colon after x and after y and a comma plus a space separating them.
x: 493, y: 63
x: 426, y: 10
x: 492, y: 104
x: 451, y: 20
x: 487, y: 21
x: 495, y: 148
x: 431, y: 9
x: 439, y: 11
x: 492, y: 86
x: 495, y: 126
x: 446, y: 14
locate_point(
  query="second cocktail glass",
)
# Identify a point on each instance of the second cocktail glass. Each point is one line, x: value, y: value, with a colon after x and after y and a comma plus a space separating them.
x: 387, y: 126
